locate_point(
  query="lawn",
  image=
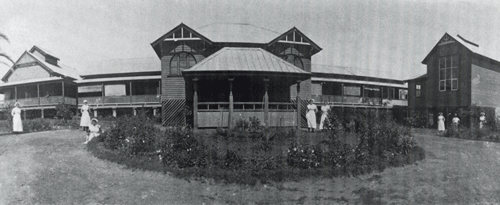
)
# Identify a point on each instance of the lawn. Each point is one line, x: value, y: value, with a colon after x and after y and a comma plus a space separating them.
x: 55, y: 168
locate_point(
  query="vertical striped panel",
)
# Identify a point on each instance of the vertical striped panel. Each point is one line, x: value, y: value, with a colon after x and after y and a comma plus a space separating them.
x: 303, y: 111
x: 173, y: 112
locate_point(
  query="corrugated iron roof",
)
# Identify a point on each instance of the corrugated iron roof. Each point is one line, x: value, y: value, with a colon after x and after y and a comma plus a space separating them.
x: 37, y: 80
x: 246, y: 60
x: 97, y: 80
x: 331, y: 69
x: 130, y: 65
x: 61, y: 69
x: 359, y: 82
x: 237, y: 33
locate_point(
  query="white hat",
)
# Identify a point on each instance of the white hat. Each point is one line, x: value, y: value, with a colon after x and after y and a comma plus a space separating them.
x: 94, y: 119
x: 17, y: 103
x: 84, y: 101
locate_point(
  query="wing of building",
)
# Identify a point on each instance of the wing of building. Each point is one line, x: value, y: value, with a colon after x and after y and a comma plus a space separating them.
x: 211, y: 76
x: 459, y: 77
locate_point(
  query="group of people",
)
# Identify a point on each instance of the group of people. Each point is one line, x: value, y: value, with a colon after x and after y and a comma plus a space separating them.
x: 91, y: 126
x: 88, y: 125
x: 456, y: 121
x: 312, y: 109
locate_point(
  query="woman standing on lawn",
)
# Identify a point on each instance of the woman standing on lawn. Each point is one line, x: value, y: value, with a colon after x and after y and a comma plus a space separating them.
x: 324, y: 114
x: 17, y: 124
x: 441, y: 122
x: 311, y: 116
x: 85, y: 121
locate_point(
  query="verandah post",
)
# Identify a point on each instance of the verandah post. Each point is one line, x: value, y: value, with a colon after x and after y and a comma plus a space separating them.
x: 231, y: 106
x: 266, y: 103
x: 299, y: 118
x: 195, y: 104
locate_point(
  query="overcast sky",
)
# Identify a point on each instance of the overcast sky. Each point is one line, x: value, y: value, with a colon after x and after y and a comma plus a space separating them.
x: 380, y: 38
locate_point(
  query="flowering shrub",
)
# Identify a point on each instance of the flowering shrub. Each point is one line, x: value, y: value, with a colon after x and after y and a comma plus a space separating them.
x: 245, y: 156
x: 179, y: 149
x: 303, y: 156
x: 133, y: 135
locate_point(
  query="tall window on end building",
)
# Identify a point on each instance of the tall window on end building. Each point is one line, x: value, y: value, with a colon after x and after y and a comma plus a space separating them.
x: 295, y: 60
x: 418, y: 90
x: 181, y: 61
x: 448, y: 73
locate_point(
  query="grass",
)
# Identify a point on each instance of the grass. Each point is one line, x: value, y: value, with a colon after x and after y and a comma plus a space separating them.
x: 54, y: 167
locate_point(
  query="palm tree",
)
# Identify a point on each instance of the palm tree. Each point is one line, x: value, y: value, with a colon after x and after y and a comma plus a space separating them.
x: 2, y: 54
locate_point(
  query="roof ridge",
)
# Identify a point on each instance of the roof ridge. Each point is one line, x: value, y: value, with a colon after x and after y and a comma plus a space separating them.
x: 238, y: 23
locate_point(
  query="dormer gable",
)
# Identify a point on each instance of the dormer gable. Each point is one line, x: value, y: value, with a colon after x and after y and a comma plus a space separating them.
x: 44, y: 55
x: 181, y: 32
x: 295, y: 37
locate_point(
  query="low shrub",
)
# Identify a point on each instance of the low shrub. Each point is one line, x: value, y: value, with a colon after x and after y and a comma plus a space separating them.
x: 251, y: 156
x: 132, y: 134
x: 37, y: 125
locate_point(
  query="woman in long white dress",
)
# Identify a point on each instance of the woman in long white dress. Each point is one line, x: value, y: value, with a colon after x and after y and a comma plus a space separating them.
x: 441, y: 122
x: 85, y: 121
x: 311, y: 116
x: 324, y: 114
x: 17, y: 124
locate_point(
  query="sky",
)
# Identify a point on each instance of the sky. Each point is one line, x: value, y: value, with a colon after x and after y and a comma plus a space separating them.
x: 386, y: 39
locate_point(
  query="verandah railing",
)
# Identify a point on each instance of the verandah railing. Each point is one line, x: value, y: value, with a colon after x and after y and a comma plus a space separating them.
x: 246, y: 106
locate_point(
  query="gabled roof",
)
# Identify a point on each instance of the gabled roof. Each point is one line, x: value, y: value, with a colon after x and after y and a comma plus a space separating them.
x: 244, y: 60
x: 191, y: 34
x: 295, y: 36
x: 61, y: 70
x: 130, y: 65
x: 471, y: 46
x: 42, y: 51
x: 237, y: 33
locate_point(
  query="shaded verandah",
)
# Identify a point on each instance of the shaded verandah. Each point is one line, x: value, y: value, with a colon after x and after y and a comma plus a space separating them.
x: 238, y: 83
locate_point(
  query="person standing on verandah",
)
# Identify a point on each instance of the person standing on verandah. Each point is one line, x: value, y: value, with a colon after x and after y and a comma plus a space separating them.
x: 17, y: 124
x: 311, y: 116
x: 85, y: 121
x: 441, y: 122
x: 324, y: 114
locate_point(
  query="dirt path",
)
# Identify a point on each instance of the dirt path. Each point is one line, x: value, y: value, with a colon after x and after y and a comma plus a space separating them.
x: 54, y: 168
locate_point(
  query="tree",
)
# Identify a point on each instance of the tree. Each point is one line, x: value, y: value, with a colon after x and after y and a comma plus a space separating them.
x: 3, y: 54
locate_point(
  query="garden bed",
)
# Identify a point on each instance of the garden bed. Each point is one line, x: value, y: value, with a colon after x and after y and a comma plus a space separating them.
x: 252, y: 154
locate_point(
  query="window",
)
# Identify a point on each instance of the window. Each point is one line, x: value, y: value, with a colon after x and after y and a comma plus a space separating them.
x: 418, y: 89
x: 295, y: 60
x: 181, y: 61
x: 448, y: 73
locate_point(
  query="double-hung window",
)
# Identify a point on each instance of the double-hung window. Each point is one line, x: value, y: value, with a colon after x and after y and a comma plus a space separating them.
x: 418, y: 89
x: 448, y: 73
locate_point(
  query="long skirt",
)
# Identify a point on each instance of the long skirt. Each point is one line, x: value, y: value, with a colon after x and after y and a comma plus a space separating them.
x: 311, y: 119
x: 85, y: 121
x: 441, y: 126
x: 17, y: 124
x: 322, y: 122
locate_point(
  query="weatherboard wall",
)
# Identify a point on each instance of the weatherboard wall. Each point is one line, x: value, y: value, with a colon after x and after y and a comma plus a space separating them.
x: 457, y: 98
